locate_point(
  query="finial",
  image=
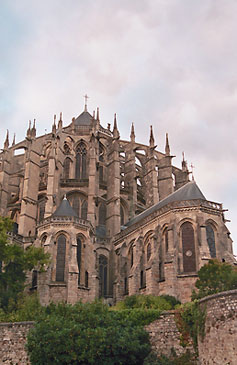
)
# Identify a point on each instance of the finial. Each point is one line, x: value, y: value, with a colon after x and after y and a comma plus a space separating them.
x: 152, y: 140
x: 93, y: 114
x: 6, y: 143
x: 54, y: 124
x: 86, y: 98
x: 33, y: 130
x: 97, y: 114
x: 108, y: 126
x: 132, y: 135
x: 167, y: 147
x: 192, y: 167
x: 115, y: 130
x: 14, y: 140
x: 28, y: 133
x: 60, y: 122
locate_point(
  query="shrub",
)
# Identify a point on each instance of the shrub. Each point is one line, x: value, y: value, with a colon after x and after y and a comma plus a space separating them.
x: 88, y: 334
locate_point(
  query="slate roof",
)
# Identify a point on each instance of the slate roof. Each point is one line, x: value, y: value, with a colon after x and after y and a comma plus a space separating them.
x: 84, y: 118
x: 64, y: 210
x: 189, y: 191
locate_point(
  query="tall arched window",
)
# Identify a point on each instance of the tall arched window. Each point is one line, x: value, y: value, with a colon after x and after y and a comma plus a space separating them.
x: 102, y: 214
x: 121, y: 215
x: 211, y: 240
x: 66, y: 168
x: 166, y: 240
x: 81, y: 161
x: 41, y: 210
x: 61, y: 254
x: 189, y: 255
x: 84, y: 207
x: 79, y: 259
x: 76, y: 204
x: 161, y: 263
x: 130, y: 254
x: 148, y: 251
x: 103, y: 275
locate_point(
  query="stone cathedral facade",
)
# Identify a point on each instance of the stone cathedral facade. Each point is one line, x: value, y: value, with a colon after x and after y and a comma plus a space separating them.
x: 116, y: 216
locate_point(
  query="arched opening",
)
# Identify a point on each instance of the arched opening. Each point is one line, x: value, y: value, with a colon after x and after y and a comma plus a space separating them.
x: 66, y: 168
x: 81, y: 161
x: 211, y: 240
x: 84, y: 208
x: 76, y: 204
x: 61, y: 255
x: 79, y: 245
x: 103, y: 276
x: 166, y: 240
x: 148, y: 251
x: 188, y: 245
x: 121, y: 216
x: 102, y: 214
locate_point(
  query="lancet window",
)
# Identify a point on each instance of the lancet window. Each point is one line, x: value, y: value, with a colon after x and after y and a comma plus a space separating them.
x: 211, y: 240
x: 61, y: 255
x: 103, y: 275
x: 79, y: 259
x: 188, y: 244
x: 81, y: 161
x: 66, y: 168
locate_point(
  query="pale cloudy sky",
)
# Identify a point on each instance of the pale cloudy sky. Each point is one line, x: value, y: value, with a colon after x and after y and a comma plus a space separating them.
x: 169, y: 63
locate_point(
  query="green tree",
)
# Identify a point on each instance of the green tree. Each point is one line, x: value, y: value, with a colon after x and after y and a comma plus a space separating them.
x: 88, y: 334
x: 215, y: 277
x: 14, y: 263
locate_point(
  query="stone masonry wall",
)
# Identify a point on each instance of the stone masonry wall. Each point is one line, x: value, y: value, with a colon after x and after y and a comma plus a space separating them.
x: 220, y: 342
x: 12, y: 343
x: 165, y: 336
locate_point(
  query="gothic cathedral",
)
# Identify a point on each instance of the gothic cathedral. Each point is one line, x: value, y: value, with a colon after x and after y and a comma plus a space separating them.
x: 116, y: 216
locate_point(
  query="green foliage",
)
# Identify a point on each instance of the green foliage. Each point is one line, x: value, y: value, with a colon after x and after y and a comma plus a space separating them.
x: 190, y: 321
x: 161, y: 303
x: 87, y: 334
x: 185, y: 359
x: 215, y: 277
x: 27, y: 308
x: 14, y: 263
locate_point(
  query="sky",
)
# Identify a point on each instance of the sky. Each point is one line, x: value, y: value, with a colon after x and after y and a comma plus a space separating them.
x: 166, y: 63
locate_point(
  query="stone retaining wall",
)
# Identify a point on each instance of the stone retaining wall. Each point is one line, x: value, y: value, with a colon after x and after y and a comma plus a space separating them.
x: 12, y: 343
x: 219, y: 346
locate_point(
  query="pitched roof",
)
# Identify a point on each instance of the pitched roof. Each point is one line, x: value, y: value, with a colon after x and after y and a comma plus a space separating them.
x: 189, y: 191
x: 64, y: 210
x: 84, y: 118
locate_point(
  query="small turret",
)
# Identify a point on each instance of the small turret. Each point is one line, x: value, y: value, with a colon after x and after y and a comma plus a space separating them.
x: 115, y: 130
x: 132, y: 135
x: 14, y: 140
x: 184, y: 164
x: 97, y: 114
x: 167, y: 147
x: 60, y: 122
x: 33, y: 130
x: 6, y: 143
x: 28, y: 133
x: 152, y: 140
x: 54, y: 125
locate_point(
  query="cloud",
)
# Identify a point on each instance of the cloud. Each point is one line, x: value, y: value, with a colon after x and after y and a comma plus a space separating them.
x: 167, y: 63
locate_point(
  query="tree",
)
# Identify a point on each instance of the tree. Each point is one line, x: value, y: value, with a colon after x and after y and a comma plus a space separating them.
x: 215, y: 277
x: 89, y: 334
x: 14, y: 263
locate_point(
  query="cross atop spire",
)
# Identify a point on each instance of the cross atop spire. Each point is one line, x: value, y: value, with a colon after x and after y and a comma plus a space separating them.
x: 86, y: 98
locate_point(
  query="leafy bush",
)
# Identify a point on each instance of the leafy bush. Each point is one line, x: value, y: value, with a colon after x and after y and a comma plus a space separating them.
x: 215, y: 277
x: 89, y: 334
x: 185, y: 359
x: 163, y: 302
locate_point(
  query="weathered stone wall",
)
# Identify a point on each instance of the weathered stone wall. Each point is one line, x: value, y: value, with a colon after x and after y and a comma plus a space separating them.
x: 165, y: 336
x: 220, y: 342
x: 12, y: 343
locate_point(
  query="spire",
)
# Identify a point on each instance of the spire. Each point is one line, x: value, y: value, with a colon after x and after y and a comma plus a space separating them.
x: 54, y: 125
x: 60, y: 122
x: 33, y: 130
x: 132, y: 135
x: 28, y: 133
x: 115, y: 130
x: 6, y: 143
x: 184, y: 164
x: 98, y: 114
x: 167, y: 146
x: 14, y: 140
x: 86, y: 98
x: 152, y: 140
x: 93, y: 114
